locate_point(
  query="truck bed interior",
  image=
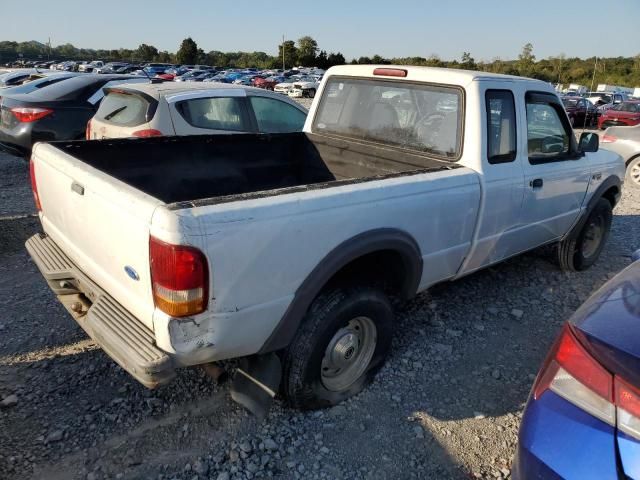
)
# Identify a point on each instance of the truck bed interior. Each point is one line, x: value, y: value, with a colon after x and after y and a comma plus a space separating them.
x: 194, y: 168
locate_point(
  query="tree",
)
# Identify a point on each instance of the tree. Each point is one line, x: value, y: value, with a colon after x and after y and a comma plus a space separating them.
x: 307, y: 50
x: 335, y: 59
x: 468, y: 62
x: 146, y: 52
x: 290, y: 53
x: 322, y: 60
x: 526, y: 61
x: 188, y: 52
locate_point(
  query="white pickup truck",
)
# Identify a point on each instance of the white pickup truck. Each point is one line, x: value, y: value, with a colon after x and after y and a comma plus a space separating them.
x: 286, y: 248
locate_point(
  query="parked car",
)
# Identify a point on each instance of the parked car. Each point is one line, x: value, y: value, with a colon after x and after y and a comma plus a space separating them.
x: 128, y: 69
x: 268, y: 83
x: 91, y: 66
x: 600, y: 99
x: 284, y: 86
x: 582, y: 419
x: 580, y: 111
x: 179, y: 251
x: 37, y: 83
x: 56, y: 112
x: 625, y: 141
x: 190, y: 75
x: 144, y: 110
x: 18, y: 77
x: 304, y: 87
x: 110, y: 67
x: 156, y: 68
x: 622, y: 114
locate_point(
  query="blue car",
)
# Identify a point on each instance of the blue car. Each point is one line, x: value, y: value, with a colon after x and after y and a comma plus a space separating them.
x: 582, y: 420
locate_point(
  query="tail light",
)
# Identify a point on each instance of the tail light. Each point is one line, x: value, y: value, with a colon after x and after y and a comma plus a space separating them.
x: 179, y: 278
x: 87, y: 132
x: 608, y: 139
x: 27, y: 115
x: 149, y: 132
x: 34, y: 184
x: 572, y: 373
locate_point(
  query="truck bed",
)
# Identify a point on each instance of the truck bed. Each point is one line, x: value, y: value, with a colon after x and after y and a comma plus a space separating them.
x: 219, y: 168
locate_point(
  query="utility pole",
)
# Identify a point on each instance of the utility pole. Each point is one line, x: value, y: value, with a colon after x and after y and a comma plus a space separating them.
x: 594, y: 74
x: 283, y: 67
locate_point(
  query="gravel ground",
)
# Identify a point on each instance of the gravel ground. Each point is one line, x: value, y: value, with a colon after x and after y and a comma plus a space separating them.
x: 447, y: 404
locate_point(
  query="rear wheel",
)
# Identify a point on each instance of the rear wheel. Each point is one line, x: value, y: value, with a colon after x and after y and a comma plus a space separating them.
x: 311, y: 93
x: 633, y: 173
x: 582, y: 248
x: 343, y: 341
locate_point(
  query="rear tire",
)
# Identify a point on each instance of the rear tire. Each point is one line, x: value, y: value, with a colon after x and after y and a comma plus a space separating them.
x: 343, y: 341
x: 311, y: 93
x: 581, y: 249
x: 633, y: 173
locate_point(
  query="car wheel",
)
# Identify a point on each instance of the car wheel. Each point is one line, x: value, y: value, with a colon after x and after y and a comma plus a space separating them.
x: 633, y: 173
x: 343, y: 341
x: 311, y: 92
x: 582, y: 248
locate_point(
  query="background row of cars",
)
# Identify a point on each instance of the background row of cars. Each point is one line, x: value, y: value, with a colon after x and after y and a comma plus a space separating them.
x: 601, y: 109
x: 301, y: 82
x: 51, y: 105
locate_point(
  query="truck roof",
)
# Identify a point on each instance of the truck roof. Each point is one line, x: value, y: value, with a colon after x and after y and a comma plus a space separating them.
x: 430, y: 74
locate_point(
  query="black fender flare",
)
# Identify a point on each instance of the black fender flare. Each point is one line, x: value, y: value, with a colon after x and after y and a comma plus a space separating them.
x: 612, y: 181
x: 362, y: 244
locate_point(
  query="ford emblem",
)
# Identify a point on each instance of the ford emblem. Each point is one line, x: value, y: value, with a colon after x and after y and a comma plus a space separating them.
x: 133, y: 275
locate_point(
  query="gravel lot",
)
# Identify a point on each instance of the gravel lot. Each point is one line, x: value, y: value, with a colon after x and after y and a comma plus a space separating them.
x: 447, y: 404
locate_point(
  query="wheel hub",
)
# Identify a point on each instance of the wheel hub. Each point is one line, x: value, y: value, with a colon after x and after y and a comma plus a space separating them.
x: 635, y: 173
x: 348, y: 354
x: 592, y: 237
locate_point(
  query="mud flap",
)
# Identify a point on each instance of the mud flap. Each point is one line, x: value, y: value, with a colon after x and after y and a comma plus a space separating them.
x: 256, y: 382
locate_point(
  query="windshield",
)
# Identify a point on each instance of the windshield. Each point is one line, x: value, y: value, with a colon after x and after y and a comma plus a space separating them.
x: 627, y: 107
x: 426, y: 118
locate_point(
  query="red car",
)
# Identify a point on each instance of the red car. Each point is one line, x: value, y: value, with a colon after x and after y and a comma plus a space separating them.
x: 625, y: 114
x: 267, y: 83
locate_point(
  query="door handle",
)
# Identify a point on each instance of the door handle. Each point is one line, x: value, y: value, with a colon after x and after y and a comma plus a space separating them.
x: 76, y: 187
x: 537, y: 183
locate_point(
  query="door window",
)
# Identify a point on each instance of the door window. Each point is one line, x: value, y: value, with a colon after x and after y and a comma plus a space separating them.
x: 275, y: 116
x: 501, y: 126
x: 548, y: 130
x: 216, y: 113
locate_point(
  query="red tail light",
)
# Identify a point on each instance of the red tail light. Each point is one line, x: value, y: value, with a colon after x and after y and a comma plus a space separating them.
x: 27, y: 115
x: 390, y: 72
x: 34, y: 184
x: 608, y: 139
x: 179, y: 277
x: 87, y: 132
x: 150, y: 132
x: 572, y: 373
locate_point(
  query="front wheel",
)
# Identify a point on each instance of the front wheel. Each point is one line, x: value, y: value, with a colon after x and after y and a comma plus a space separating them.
x: 582, y: 248
x: 311, y: 93
x: 633, y: 173
x: 343, y: 341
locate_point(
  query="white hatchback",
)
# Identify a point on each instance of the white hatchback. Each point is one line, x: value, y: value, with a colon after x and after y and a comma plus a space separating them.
x: 168, y: 108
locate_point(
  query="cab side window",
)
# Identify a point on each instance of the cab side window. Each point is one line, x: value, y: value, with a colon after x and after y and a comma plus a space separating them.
x: 548, y: 129
x: 501, y: 126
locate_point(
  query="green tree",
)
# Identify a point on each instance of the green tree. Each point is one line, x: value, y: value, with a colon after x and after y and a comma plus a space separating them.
x: 335, y: 59
x: 307, y: 51
x: 468, y: 62
x: 290, y: 54
x: 146, y: 52
x: 526, y: 61
x: 188, y: 52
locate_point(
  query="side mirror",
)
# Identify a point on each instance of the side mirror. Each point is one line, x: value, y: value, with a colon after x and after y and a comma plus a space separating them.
x: 589, y: 142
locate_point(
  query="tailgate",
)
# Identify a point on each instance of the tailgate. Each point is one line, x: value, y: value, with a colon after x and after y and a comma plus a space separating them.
x: 101, y: 224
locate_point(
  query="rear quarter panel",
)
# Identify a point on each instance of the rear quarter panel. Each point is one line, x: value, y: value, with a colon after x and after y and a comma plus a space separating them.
x: 261, y: 250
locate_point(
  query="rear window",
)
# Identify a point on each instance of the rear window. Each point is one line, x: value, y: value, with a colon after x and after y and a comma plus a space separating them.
x: 123, y: 109
x: 421, y: 117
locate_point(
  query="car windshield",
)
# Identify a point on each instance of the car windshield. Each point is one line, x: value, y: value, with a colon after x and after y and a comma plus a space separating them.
x: 627, y: 107
x: 426, y: 118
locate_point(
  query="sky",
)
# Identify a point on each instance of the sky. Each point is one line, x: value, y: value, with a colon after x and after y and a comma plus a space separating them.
x: 399, y: 28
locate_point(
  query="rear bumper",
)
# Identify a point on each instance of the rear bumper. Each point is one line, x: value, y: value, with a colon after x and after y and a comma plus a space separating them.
x: 122, y: 336
x: 560, y: 441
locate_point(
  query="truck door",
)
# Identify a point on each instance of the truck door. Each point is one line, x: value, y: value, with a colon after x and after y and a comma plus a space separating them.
x: 503, y: 189
x: 556, y: 175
